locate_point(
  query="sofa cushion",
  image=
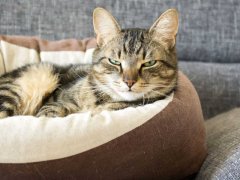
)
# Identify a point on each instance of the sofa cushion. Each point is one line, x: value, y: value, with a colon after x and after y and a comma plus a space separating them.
x: 216, y: 83
x: 223, y: 141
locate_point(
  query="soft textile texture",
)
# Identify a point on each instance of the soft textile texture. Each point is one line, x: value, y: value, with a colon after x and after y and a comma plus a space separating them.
x: 223, y: 160
x: 31, y: 139
x: 16, y: 51
x: 161, y: 140
x: 218, y: 85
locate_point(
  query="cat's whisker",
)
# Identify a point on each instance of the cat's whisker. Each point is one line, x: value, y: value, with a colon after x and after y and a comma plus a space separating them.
x: 159, y: 93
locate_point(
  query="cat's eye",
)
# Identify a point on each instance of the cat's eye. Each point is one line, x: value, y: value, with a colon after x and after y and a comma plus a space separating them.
x: 149, y: 63
x: 114, y: 62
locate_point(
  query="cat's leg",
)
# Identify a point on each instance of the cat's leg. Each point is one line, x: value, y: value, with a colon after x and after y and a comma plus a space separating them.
x: 112, y: 107
x: 57, y: 109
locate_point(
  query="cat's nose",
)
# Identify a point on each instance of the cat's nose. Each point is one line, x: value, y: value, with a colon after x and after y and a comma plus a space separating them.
x: 130, y: 83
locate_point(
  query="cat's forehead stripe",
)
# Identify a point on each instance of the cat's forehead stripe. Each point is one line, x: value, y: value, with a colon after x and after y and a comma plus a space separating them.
x: 133, y: 41
x: 119, y: 54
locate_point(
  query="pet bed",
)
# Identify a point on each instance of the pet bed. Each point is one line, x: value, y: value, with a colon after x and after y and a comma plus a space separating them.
x: 162, y: 140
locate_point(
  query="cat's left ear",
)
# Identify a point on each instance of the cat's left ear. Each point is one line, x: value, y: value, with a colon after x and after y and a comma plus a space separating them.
x: 105, y: 26
x: 165, y: 29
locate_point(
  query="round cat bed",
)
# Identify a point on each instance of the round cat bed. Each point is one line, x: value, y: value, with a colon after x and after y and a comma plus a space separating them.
x: 162, y: 140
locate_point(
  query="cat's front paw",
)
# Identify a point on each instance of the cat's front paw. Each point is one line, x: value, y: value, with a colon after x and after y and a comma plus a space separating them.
x: 47, y: 113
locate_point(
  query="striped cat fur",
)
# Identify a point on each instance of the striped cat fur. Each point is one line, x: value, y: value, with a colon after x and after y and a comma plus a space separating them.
x: 130, y: 67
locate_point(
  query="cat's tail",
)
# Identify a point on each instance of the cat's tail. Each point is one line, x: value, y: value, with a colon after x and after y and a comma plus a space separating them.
x: 22, y: 91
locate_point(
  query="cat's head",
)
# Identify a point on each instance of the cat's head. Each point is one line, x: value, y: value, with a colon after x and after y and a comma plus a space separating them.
x: 130, y: 64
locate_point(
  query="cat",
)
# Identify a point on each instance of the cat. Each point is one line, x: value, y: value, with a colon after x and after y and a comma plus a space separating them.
x: 129, y: 66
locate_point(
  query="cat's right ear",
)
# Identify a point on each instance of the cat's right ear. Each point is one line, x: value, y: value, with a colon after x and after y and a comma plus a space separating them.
x: 105, y: 26
x: 165, y: 29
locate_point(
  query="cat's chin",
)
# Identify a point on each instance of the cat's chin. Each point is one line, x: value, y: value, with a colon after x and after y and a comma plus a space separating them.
x: 129, y: 95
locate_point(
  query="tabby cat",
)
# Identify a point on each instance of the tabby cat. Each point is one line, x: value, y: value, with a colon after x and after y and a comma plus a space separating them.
x: 130, y: 67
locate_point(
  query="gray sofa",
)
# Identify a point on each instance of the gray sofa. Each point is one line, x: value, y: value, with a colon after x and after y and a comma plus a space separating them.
x: 208, y: 48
